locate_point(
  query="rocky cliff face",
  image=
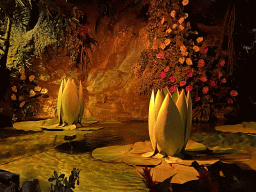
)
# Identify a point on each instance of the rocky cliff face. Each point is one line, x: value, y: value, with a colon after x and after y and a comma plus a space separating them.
x: 110, y: 87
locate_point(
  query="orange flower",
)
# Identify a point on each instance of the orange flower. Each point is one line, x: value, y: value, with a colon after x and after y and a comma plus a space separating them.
x: 182, y: 83
x: 184, y: 2
x: 205, y: 89
x: 222, y: 63
x: 223, y: 80
x: 203, y: 79
x: 23, y: 77
x: 200, y: 63
x: 233, y: 93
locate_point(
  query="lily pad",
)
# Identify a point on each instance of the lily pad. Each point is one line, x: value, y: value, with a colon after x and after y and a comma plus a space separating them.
x: 29, y: 125
x: 88, y: 128
x: 111, y: 153
x: 58, y: 128
x: 67, y: 132
x: 137, y: 159
x: 142, y: 147
x: 148, y: 154
x: 194, y: 146
x: 51, y: 122
x: 218, y: 149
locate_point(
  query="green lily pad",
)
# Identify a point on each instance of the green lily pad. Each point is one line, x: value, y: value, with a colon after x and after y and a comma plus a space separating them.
x: 218, y: 149
x: 194, y: 146
x: 67, y: 132
x: 51, y: 122
x: 88, y: 128
x: 142, y: 147
x: 137, y: 159
x: 111, y: 153
x: 29, y: 125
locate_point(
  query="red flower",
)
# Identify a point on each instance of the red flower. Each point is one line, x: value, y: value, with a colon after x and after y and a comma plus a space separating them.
x: 223, y: 80
x: 230, y: 101
x: 220, y: 75
x: 189, y: 88
x: 212, y: 83
x: 172, y: 78
x: 197, y: 98
x: 166, y: 69
x: 233, y: 93
x: 161, y: 55
x: 205, y: 89
x: 203, y: 79
x: 182, y: 83
x: 200, y: 63
x: 172, y: 89
x: 212, y: 59
x: 190, y: 73
x: 162, y: 74
x: 205, y: 50
x: 222, y: 63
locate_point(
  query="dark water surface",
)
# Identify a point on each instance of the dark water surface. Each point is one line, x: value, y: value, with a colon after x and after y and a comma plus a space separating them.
x: 35, y: 156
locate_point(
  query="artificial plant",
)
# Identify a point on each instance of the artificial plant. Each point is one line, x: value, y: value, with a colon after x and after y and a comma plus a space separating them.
x: 169, y: 122
x: 179, y: 57
x: 70, y: 103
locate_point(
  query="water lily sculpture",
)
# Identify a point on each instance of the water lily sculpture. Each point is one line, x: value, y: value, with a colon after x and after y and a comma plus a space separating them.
x: 70, y: 103
x: 169, y: 122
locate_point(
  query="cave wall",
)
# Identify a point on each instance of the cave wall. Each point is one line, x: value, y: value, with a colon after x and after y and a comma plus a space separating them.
x: 110, y: 87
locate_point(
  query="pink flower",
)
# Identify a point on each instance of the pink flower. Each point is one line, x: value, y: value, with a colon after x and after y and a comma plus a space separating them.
x: 203, y: 79
x: 222, y: 63
x: 189, y: 88
x: 182, y: 83
x: 197, y: 98
x: 166, y: 69
x: 223, y: 80
x: 172, y: 78
x: 212, y: 83
x: 230, y: 101
x: 205, y: 50
x: 233, y: 93
x: 172, y: 89
x: 205, y: 89
x: 189, y: 74
x: 220, y: 75
x: 162, y: 74
x: 200, y: 63
x: 161, y: 55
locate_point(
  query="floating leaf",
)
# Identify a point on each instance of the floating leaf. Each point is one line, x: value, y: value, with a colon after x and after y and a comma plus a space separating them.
x: 142, y: 147
x: 137, y: 159
x: 194, y: 146
x: 111, y: 153
x: 29, y: 125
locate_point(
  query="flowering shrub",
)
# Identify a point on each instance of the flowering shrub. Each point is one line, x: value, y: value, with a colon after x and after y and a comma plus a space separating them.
x: 185, y: 61
x: 24, y: 93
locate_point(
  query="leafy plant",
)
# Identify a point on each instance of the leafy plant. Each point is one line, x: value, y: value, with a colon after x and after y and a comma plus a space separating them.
x: 180, y: 58
x: 24, y: 95
x: 62, y: 184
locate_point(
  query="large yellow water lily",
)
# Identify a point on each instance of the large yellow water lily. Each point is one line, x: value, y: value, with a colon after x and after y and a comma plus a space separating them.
x: 70, y: 103
x: 169, y: 121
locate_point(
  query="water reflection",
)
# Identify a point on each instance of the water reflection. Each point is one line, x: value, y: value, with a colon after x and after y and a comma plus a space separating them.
x: 94, y: 176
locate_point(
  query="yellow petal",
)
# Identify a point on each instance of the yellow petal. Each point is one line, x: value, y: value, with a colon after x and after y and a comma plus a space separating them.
x: 22, y: 104
x: 183, y: 48
x: 181, y: 27
x: 181, y: 60
x: 173, y: 13
x: 169, y: 128
x: 174, y: 26
x: 181, y: 20
x: 168, y: 30
x: 152, y: 120
x: 13, y: 97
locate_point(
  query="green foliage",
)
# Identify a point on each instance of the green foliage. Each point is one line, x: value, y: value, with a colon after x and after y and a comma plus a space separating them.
x: 62, y: 184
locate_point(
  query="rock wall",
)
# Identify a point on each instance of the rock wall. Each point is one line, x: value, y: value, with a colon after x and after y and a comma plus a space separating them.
x: 110, y: 87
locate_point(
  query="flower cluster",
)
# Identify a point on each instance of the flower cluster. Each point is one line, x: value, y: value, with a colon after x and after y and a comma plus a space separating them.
x: 24, y: 91
x: 186, y: 62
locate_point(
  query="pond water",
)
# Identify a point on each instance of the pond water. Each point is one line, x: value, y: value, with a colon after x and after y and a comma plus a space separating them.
x: 37, y: 155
